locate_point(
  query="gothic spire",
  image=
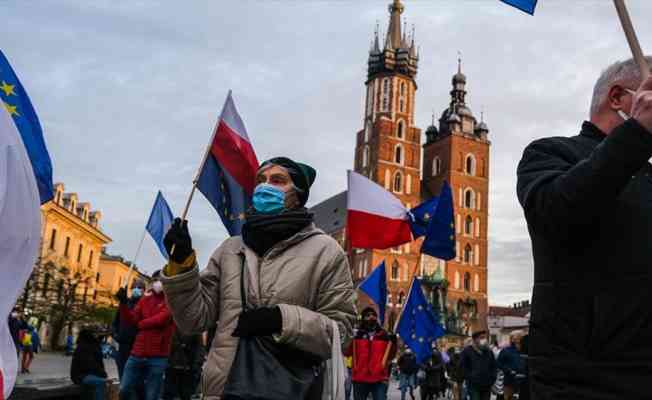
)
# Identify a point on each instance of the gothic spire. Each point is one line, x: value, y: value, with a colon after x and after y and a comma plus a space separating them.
x: 394, y: 30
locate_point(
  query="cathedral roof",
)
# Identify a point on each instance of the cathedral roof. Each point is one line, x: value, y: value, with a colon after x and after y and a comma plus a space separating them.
x: 330, y: 214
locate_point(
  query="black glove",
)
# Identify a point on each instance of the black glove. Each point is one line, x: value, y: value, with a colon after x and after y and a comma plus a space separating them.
x: 259, y: 322
x: 121, y: 295
x: 178, y: 237
x: 393, y: 338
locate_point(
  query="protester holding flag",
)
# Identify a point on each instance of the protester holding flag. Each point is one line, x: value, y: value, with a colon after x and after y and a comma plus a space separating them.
x: 123, y: 332
x: 296, y: 281
x: 587, y: 200
x: 372, y: 350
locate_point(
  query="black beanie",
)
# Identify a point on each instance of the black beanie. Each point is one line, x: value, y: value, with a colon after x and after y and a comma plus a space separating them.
x: 303, y: 175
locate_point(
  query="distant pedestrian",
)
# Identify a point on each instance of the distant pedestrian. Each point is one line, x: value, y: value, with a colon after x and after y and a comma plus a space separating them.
x: 149, y: 354
x: 182, y: 364
x: 123, y: 332
x: 87, y: 367
x: 510, y: 363
x: 433, y: 383
x: 16, y: 325
x: 29, y: 344
x: 408, y: 367
x: 70, y: 344
x: 479, y: 367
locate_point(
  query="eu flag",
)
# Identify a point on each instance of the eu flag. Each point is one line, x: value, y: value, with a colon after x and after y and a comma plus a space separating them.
x: 375, y: 286
x: 16, y: 102
x: 527, y: 6
x: 418, y: 327
x: 159, y: 222
x: 435, y: 220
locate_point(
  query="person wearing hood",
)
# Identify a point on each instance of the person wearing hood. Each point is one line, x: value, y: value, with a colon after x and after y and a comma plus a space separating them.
x: 296, y: 277
x: 372, y: 349
x: 479, y: 367
x: 87, y: 366
x: 149, y: 355
x: 125, y: 333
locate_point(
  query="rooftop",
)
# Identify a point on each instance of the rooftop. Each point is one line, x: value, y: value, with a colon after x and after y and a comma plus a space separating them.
x: 330, y: 214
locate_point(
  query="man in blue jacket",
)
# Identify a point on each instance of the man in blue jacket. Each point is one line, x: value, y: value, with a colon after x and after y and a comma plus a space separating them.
x: 510, y: 362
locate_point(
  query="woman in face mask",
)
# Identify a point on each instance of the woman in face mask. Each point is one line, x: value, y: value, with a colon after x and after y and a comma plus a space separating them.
x: 296, y: 279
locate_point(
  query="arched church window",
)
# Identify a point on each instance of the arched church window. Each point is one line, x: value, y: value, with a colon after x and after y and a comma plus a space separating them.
x: 436, y: 166
x: 469, y: 198
x: 386, y: 94
x: 470, y: 164
x: 400, y: 129
x: 468, y: 254
x: 395, y: 271
x: 398, y: 154
x: 468, y: 225
x: 467, y: 282
x: 398, y: 182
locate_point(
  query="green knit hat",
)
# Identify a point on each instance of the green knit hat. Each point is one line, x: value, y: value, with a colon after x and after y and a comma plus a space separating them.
x: 303, y: 175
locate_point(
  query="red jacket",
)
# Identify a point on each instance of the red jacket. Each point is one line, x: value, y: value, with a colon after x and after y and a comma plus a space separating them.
x: 368, y: 351
x: 155, y: 326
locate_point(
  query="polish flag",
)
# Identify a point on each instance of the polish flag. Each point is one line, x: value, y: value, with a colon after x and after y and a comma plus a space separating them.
x: 376, y: 219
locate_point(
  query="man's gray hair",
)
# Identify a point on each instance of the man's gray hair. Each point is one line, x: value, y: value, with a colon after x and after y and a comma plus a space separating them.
x: 624, y: 72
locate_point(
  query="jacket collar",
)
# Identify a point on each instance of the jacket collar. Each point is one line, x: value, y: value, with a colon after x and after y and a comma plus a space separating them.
x: 305, y: 233
x: 591, y: 131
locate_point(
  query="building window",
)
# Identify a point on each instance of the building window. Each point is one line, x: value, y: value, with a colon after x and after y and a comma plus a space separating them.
x: 65, y: 249
x: 457, y: 280
x: 401, y: 296
x: 79, y: 252
x: 398, y: 154
x: 97, y: 278
x: 467, y: 282
x: 386, y: 94
x: 398, y: 182
x: 469, y: 199
x: 365, y: 156
x: 468, y: 225
x: 53, y: 239
x: 408, y: 185
x: 470, y: 164
x: 400, y: 129
x: 90, y: 259
x: 476, y: 283
x: 46, y: 283
x: 395, y: 271
x: 468, y: 254
x: 436, y: 166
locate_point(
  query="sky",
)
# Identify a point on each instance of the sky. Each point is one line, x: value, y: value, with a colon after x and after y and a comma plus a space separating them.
x: 128, y: 93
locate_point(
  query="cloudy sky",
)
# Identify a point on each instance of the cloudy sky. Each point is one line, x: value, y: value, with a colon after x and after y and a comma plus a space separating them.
x: 128, y: 92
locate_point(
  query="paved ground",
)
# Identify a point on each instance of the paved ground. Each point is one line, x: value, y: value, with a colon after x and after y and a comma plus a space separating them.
x: 51, y: 367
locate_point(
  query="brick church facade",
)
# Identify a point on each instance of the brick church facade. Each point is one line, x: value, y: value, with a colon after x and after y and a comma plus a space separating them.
x: 389, y: 150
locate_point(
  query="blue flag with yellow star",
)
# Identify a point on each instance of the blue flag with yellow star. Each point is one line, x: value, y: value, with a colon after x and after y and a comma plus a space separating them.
x: 17, y: 103
x: 434, y: 219
x: 418, y: 326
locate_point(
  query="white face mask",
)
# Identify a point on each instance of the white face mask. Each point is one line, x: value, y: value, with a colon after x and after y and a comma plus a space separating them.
x: 482, y: 342
x: 157, y: 287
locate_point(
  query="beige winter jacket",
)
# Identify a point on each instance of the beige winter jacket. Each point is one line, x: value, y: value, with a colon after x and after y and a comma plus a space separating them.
x: 307, y: 276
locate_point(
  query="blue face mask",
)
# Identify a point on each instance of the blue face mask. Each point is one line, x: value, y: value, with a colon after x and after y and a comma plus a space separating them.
x: 268, y: 199
x: 136, y: 292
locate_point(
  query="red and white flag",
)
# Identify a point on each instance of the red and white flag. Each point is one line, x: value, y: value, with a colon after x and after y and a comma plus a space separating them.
x: 376, y: 219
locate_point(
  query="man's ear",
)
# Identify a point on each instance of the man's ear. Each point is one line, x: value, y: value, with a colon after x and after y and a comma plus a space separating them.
x: 615, y: 97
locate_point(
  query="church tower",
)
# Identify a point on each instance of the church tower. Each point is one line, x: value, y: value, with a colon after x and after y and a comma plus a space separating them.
x: 388, y: 148
x: 458, y: 152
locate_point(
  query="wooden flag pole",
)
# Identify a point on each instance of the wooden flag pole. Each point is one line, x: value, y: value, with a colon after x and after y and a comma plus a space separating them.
x: 133, y: 262
x: 201, y: 166
x: 632, y: 40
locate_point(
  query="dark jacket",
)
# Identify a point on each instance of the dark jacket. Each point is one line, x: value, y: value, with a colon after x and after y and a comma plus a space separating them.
x: 479, y: 367
x: 186, y: 351
x: 407, y: 364
x: 15, y: 325
x: 454, y: 368
x: 124, y: 333
x: 509, y: 361
x: 588, y: 204
x: 87, y: 359
x: 155, y: 326
x: 434, y: 368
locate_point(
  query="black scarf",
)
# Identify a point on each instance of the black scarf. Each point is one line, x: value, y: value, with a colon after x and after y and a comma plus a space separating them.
x: 261, y: 232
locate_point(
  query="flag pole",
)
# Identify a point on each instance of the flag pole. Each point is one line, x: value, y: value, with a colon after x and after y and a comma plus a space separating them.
x: 133, y: 262
x: 632, y: 40
x: 201, y: 166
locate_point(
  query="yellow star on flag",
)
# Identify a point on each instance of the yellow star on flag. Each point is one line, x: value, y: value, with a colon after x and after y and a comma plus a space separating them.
x: 7, y: 88
x: 11, y: 109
